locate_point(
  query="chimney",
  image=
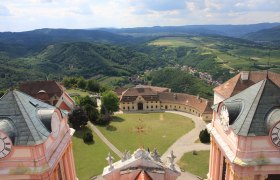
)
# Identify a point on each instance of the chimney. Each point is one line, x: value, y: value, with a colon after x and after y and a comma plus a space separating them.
x: 244, y: 75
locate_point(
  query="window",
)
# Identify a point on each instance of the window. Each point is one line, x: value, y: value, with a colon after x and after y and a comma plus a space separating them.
x: 179, y: 106
x: 156, y: 107
x: 123, y: 108
x: 147, y: 107
x: 152, y: 106
x: 127, y: 108
x: 132, y: 107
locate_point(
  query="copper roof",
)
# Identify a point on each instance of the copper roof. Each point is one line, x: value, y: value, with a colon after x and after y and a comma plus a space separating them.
x: 32, y: 88
x: 236, y: 85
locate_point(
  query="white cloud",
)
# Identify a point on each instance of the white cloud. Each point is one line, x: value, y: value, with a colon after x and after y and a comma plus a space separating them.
x: 18, y: 15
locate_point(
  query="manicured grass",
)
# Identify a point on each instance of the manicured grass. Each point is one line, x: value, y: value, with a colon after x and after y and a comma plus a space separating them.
x: 159, y: 130
x: 89, y: 158
x: 196, y: 164
x: 82, y: 93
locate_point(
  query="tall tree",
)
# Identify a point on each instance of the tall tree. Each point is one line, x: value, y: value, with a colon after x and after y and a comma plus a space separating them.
x: 110, y: 101
x: 89, y: 105
x: 81, y: 83
x: 78, y: 118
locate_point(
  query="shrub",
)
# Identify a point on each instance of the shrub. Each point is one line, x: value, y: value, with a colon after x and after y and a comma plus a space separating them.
x: 204, y: 136
x: 104, y: 119
x: 88, y: 137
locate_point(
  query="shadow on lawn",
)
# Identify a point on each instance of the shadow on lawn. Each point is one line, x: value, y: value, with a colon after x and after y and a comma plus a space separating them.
x: 111, y: 128
x: 117, y: 119
x: 80, y: 132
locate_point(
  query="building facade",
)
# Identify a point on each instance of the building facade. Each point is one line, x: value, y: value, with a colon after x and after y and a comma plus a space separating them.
x: 49, y: 92
x: 150, y: 98
x: 245, y: 135
x: 35, y: 140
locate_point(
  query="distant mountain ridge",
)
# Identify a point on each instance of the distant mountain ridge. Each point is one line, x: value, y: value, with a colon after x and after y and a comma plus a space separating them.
x: 225, y: 30
x: 37, y: 40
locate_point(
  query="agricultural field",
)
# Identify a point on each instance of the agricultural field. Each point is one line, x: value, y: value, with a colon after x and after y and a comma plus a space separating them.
x: 148, y: 130
x: 228, y: 53
x: 110, y: 81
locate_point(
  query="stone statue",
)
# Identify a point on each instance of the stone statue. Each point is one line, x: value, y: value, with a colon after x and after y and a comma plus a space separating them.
x: 126, y: 155
x: 156, y: 155
x: 110, y: 159
x: 171, y: 160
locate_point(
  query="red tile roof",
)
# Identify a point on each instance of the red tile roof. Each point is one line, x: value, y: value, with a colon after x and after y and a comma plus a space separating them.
x: 236, y: 85
x: 33, y: 87
x: 149, y: 94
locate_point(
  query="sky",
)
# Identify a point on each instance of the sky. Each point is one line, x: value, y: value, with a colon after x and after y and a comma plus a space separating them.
x: 23, y: 15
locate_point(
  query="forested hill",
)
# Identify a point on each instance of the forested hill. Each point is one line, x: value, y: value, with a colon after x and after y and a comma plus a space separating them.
x: 28, y: 42
x: 88, y: 59
x: 271, y: 34
x: 74, y: 59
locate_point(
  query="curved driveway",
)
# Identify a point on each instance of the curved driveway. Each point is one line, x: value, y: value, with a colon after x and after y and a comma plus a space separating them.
x: 186, y: 143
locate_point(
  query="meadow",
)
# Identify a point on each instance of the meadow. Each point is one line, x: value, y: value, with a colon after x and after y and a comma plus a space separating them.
x: 147, y: 130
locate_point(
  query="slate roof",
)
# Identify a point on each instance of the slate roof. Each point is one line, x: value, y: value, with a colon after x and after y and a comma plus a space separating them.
x: 236, y: 85
x: 32, y: 88
x: 20, y: 120
x: 254, y: 106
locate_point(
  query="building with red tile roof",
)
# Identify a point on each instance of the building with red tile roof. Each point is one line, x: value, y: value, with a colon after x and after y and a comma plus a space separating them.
x: 242, y: 81
x: 49, y: 92
x: 150, y: 98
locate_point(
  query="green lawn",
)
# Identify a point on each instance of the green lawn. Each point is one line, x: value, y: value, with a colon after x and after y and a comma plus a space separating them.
x: 81, y: 93
x: 196, y: 164
x: 159, y: 130
x: 89, y: 158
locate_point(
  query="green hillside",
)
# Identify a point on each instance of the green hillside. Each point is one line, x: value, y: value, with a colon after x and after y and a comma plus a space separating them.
x: 216, y: 54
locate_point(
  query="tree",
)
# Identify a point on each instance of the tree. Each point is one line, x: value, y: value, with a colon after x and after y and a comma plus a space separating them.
x: 204, y: 136
x: 110, y: 101
x: 78, y: 118
x: 89, y: 105
x: 81, y: 83
x: 92, y: 85
x: 88, y: 137
x: 87, y: 100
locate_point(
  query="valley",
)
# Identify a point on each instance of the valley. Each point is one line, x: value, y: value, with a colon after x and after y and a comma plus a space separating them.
x: 113, y: 56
